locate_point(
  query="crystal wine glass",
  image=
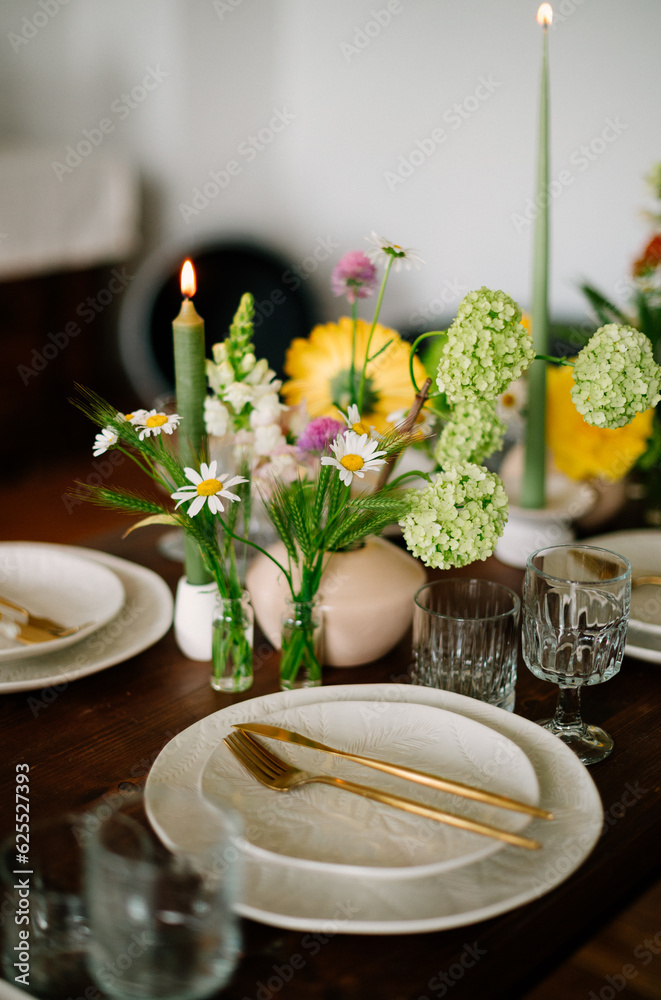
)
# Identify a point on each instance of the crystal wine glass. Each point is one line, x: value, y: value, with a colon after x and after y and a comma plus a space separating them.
x: 575, y: 614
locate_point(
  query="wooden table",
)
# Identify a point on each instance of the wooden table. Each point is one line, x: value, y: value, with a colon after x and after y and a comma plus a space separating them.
x: 83, y: 742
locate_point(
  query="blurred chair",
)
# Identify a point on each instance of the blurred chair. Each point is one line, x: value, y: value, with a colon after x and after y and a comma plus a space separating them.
x: 225, y: 269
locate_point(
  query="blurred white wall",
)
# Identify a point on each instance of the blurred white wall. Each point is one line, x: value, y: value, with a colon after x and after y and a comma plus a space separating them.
x: 320, y: 108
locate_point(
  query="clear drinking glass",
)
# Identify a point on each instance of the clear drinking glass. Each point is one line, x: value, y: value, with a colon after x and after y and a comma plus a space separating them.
x: 161, y: 922
x: 465, y: 639
x: 576, y: 603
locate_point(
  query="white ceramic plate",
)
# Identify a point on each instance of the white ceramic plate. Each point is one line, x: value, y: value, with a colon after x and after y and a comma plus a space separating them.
x: 321, y: 827
x: 289, y: 896
x: 56, y: 583
x: 144, y: 617
x: 642, y: 547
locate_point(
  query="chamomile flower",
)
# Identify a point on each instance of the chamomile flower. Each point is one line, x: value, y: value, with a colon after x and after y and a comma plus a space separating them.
x: 104, y: 440
x: 353, y: 421
x: 207, y: 488
x: 355, y: 454
x: 134, y: 417
x: 151, y: 422
x: 400, y: 256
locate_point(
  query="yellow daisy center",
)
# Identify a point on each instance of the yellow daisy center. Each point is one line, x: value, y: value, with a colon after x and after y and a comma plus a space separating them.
x: 157, y: 420
x: 352, y: 462
x: 360, y: 428
x: 508, y: 400
x: 128, y: 416
x: 208, y: 487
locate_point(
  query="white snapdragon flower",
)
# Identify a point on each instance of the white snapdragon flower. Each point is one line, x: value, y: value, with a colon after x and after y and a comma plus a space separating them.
x: 268, y: 438
x: 266, y: 411
x: 216, y: 417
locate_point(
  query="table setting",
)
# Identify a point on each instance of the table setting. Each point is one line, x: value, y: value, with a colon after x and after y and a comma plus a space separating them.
x: 306, y: 752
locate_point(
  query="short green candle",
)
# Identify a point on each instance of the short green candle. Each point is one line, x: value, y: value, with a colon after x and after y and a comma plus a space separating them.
x: 190, y: 391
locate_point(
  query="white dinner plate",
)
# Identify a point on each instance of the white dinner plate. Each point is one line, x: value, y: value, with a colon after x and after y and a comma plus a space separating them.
x: 286, y: 895
x: 642, y: 547
x: 144, y: 617
x: 55, y: 582
x: 326, y: 828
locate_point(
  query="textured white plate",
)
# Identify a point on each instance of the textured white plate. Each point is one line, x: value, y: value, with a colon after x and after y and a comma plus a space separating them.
x: 144, y: 617
x: 55, y: 582
x: 322, y: 827
x: 290, y: 896
x: 642, y: 547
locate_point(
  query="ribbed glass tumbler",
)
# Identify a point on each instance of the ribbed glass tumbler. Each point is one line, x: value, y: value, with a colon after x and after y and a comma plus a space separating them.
x: 465, y: 639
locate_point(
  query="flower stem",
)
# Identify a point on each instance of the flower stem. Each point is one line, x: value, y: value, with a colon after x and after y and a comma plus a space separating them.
x: 363, y: 374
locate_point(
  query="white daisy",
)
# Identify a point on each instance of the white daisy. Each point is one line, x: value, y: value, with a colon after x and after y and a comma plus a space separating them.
x: 424, y: 425
x: 401, y: 256
x: 133, y: 418
x: 152, y: 422
x: 207, y: 488
x: 355, y: 455
x: 106, y: 439
x: 353, y: 421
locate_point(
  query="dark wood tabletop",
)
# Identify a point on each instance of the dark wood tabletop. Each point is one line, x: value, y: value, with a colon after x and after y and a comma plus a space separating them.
x: 100, y: 732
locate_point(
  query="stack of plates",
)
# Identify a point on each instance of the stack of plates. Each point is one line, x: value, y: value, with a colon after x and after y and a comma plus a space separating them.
x: 319, y: 856
x: 642, y: 547
x: 123, y: 608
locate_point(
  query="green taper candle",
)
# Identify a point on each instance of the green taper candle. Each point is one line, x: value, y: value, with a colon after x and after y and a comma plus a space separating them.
x: 533, y: 486
x: 190, y: 390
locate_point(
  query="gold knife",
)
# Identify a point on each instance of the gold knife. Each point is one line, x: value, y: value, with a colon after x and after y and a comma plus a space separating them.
x: 30, y: 634
x: 431, y: 780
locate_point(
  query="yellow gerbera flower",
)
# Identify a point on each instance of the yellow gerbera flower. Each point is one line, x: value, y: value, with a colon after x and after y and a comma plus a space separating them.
x: 582, y: 451
x: 319, y: 370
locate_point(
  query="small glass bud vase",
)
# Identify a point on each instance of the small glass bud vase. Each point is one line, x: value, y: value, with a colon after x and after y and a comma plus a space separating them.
x: 301, y: 645
x: 231, y: 645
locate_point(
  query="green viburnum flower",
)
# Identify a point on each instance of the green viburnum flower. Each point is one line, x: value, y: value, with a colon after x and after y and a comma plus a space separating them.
x: 472, y: 433
x: 615, y: 377
x: 457, y: 518
x: 486, y: 347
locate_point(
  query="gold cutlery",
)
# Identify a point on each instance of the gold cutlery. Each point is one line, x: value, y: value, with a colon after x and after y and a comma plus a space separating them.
x: 30, y: 619
x: 646, y: 581
x: 431, y: 780
x: 29, y: 634
x: 273, y: 772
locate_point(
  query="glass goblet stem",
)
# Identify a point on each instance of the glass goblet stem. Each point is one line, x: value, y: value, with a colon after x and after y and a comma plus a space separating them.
x: 568, y: 709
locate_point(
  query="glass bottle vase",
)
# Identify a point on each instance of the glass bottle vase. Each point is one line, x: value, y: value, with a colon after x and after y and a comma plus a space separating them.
x: 231, y: 644
x: 301, y: 645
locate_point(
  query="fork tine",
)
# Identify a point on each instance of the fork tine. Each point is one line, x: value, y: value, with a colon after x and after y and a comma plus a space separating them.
x: 268, y: 759
x: 250, y: 750
x: 240, y: 753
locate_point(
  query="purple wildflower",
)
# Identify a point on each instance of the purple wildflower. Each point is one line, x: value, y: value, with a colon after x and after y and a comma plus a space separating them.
x: 354, y: 275
x: 319, y: 435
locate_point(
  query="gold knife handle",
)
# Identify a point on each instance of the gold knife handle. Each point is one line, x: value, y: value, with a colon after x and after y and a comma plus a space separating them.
x: 429, y: 812
x: 448, y: 785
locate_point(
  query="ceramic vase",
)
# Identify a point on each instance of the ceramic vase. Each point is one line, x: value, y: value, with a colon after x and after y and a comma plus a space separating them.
x: 365, y: 596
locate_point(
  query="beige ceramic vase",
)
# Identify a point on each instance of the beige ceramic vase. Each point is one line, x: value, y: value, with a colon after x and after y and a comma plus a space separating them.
x: 366, y: 596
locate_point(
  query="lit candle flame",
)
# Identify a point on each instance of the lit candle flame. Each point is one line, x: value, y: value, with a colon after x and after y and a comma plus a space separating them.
x: 545, y: 14
x: 188, y: 283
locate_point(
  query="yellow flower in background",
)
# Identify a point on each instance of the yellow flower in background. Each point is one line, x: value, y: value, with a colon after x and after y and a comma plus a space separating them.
x: 319, y: 370
x: 582, y: 451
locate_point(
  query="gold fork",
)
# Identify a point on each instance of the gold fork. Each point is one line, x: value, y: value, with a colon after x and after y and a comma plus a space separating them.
x: 34, y: 621
x: 275, y: 773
